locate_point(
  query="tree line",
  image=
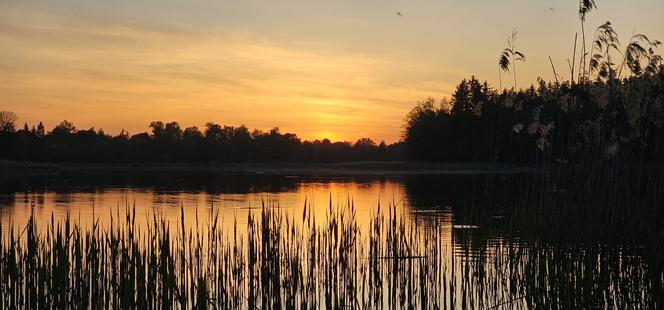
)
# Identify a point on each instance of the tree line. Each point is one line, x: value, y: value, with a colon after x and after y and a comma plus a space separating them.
x: 555, y: 122
x: 545, y: 123
x: 168, y: 142
x: 614, y: 109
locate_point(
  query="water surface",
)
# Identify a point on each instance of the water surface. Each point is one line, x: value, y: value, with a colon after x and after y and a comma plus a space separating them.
x: 85, y: 198
x: 484, y: 260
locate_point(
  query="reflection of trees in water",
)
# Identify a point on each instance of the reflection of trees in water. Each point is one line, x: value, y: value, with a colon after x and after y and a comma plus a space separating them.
x: 207, y: 184
x: 597, y: 206
x: 211, y: 184
x: 436, y: 191
x: 589, y: 238
x: 457, y: 192
x: 7, y: 199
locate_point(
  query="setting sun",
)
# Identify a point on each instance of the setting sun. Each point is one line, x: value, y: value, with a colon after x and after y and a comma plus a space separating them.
x: 362, y: 66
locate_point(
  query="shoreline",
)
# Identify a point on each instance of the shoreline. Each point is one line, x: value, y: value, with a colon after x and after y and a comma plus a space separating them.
x: 326, y: 169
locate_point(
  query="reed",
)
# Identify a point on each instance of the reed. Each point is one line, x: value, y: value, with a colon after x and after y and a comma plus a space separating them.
x: 282, y: 261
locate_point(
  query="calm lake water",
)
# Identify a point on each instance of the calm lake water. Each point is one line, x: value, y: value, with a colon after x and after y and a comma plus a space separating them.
x: 486, y: 263
x: 85, y: 198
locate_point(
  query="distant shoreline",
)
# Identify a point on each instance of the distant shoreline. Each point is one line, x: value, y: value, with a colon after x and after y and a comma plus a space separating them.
x: 327, y: 169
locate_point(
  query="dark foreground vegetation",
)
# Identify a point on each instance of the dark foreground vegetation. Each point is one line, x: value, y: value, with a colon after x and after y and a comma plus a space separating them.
x: 566, y: 240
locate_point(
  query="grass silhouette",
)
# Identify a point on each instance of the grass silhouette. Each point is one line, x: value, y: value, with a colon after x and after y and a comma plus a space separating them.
x: 560, y: 249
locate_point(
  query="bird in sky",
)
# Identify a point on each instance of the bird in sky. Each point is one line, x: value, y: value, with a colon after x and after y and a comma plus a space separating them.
x: 399, y: 13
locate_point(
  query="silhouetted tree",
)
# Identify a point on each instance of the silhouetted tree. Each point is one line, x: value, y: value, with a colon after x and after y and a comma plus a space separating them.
x: 64, y: 128
x: 7, y: 121
x: 562, y: 122
x: 40, y: 130
x: 192, y: 140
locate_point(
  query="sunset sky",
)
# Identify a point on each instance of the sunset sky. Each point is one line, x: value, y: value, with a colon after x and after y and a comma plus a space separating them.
x: 338, y: 69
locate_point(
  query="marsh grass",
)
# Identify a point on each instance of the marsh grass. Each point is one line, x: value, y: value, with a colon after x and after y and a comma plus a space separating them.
x: 588, y: 228
x: 559, y: 250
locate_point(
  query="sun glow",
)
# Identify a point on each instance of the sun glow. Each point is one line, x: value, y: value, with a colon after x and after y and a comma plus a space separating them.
x: 346, y: 70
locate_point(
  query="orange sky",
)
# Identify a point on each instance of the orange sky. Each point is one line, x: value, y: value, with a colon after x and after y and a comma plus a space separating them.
x: 342, y: 70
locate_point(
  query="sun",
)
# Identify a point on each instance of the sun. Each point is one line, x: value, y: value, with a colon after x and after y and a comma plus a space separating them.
x: 320, y: 135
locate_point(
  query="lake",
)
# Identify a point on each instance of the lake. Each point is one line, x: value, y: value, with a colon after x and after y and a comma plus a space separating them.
x: 485, y: 255
x: 233, y: 196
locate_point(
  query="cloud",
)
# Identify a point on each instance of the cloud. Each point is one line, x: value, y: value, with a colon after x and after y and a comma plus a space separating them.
x: 115, y: 72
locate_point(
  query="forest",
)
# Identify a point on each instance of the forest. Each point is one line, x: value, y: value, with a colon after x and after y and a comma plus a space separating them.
x: 545, y: 123
x: 169, y: 143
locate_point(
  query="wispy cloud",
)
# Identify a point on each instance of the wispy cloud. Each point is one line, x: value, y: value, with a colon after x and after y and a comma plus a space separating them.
x: 119, y: 73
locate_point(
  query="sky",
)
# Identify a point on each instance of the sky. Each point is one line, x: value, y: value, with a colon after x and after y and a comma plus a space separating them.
x: 342, y: 69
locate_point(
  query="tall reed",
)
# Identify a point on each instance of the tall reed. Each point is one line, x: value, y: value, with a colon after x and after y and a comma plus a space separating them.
x: 281, y: 261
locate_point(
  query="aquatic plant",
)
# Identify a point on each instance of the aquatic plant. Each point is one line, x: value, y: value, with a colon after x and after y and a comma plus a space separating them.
x: 282, y: 261
x: 585, y: 7
x: 606, y: 40
x: 510, y: 56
